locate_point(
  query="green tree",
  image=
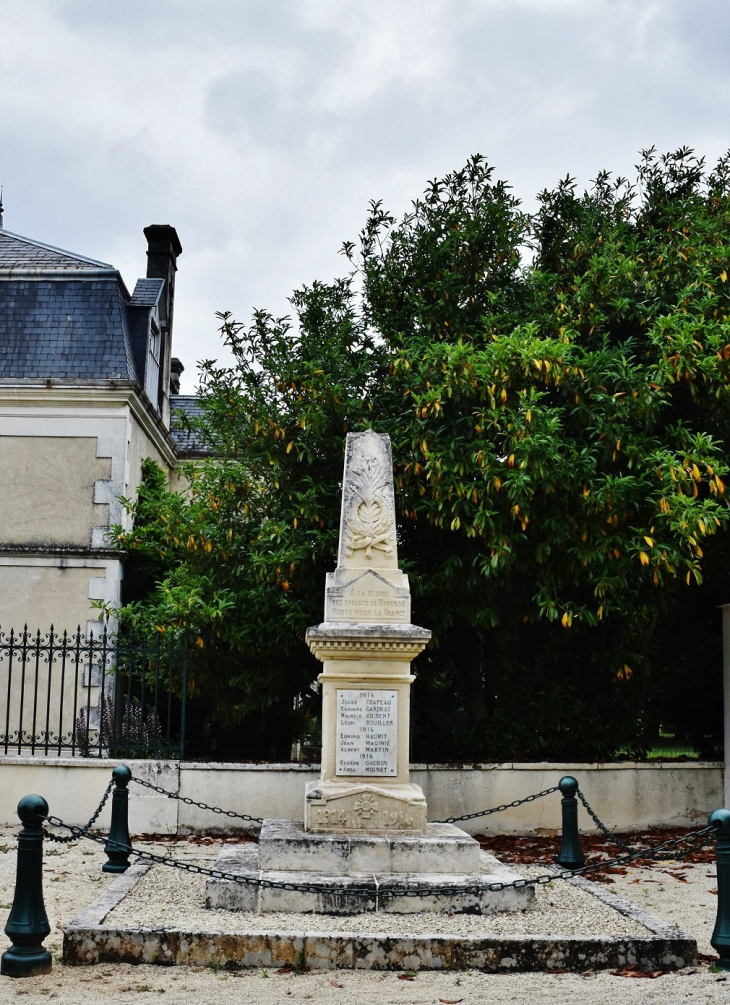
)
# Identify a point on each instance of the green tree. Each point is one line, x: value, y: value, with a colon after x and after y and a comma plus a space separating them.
x: 556, y: 388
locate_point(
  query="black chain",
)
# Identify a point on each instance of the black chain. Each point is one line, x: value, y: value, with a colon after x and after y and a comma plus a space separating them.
x: 540, y: 880
x: 500, y: 809
x: 601, y: 826
x: 616, y: 840
x: 259, y: 820
x: 83, y: 830
x: 192, y: 802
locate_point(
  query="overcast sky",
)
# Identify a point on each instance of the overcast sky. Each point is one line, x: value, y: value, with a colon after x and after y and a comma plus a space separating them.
x: 261, y: 129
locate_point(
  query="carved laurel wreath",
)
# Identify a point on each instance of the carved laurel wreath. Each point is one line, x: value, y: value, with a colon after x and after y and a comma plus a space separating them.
x: 369, y: 517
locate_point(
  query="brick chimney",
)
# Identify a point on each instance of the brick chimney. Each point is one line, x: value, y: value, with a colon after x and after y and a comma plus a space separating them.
x: 163, y: 249
x: 176, y: 368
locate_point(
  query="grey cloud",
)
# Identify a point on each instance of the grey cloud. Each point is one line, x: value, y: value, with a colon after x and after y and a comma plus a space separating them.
x: 261, y: 128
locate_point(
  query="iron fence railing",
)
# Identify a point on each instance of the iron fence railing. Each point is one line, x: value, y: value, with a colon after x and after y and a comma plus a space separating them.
x: 105, y: 695
x: 113, y: 694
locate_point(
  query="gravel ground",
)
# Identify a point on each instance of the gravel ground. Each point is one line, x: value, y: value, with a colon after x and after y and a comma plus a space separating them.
x: 677, y: 894
x: 176, y: 899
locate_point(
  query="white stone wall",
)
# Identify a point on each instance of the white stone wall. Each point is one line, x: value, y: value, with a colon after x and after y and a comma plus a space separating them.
x: 626, y: 796
x: 67, y: 455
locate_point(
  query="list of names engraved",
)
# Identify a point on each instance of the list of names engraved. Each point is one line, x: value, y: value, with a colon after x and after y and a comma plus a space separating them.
x: 367, y: 732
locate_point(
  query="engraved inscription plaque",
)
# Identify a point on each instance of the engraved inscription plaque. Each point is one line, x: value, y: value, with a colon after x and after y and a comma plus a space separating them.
x: 367, y: 598
x: 367, y: 732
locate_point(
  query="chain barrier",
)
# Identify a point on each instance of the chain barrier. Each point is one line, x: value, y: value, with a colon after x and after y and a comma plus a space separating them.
x: 256, y: 880
x: 617, y: 840
x: 192, y: 802
x: 232, y: 814
x: 59, y: 839
x: 500, y: 809
x: 631, y: 855
x: 601, y: 826
x: 259, y: 820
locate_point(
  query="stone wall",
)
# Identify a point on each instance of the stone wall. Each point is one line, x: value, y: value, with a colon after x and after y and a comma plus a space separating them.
x: 626, y: 796
x: 70, y: 453
x: 47, y: 493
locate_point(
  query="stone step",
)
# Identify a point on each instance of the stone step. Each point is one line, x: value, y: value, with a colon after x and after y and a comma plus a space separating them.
x: 355, y: 894
x: 284, y: 845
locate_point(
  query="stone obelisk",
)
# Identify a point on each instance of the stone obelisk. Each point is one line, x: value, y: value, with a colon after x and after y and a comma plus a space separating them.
x: 366, y: 644
x: 364, y: 844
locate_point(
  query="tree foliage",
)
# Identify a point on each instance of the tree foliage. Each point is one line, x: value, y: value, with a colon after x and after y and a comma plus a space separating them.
x: 556, y: 386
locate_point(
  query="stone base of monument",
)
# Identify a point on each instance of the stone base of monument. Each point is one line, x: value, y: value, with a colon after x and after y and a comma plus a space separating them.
x: 284, y: 845
x: 348, y: 873
x: 330, y: 806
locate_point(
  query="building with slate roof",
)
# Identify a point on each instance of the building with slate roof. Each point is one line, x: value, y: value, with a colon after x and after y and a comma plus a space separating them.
x: 86, y: 375
x: 87, y: 386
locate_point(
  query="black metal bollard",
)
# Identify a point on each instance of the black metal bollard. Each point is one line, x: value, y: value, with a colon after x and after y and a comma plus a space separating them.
x: 571, y: 854
x: 27, y: 925
x: 720, y: 940
x: 117, y: 858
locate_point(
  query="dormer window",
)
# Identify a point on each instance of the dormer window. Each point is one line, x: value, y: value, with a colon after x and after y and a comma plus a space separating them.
x: 152, y: 370
x: 150, y: 309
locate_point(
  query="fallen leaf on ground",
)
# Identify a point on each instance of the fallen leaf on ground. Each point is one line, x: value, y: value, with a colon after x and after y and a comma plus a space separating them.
x: 451, y: 1001
x: 544, y: 848
x: 336, y: 985
x: 285, y: 970
x: 631, y: 970
x: 405, y: 977
x: 706, y: 958
x: 559, y: 970
x: 713, y: 891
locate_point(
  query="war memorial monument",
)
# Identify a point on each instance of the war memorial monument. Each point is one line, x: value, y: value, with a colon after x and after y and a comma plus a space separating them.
x: 365, y: 823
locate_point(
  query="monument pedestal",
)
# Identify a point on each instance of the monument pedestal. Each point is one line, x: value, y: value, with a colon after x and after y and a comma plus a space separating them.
x: 285, y: 846
x: 366, y: 683
x: 362, y: 873
x: 341, y: 808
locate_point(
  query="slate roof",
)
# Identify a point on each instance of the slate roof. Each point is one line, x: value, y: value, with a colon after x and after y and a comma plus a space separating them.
x: 21, y: 252
x: 64, y: 329
x: 146, y: 293
x: 57, y: 327
x: 66, y: 316
x: 187, y: 444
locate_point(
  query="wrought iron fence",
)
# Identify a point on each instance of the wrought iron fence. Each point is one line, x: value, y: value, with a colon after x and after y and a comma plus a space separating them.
x: 105, y: 695
x: 111, y: 694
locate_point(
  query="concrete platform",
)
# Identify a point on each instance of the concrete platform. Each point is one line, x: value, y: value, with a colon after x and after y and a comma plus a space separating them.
x: 361, y: 893
x: 94, y: 937
x: 284, y: 846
